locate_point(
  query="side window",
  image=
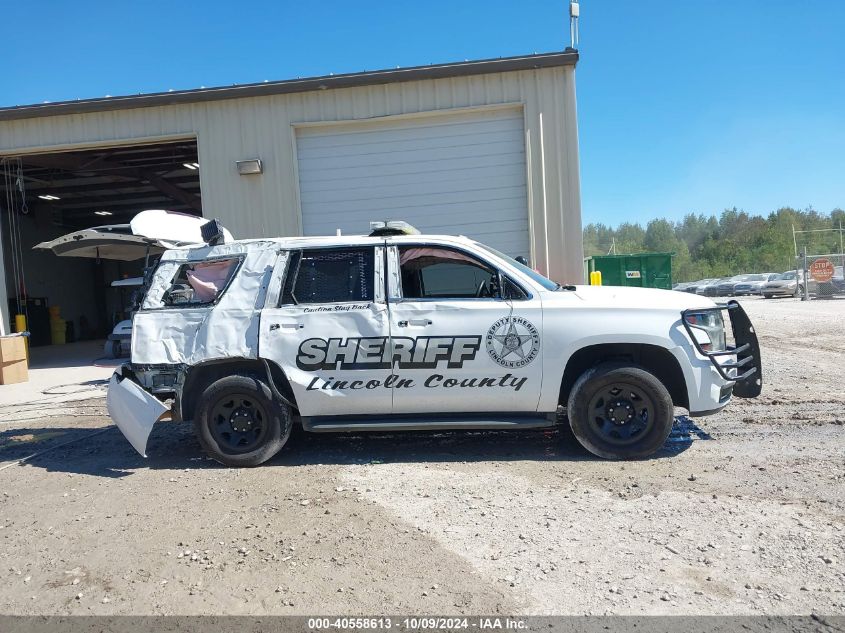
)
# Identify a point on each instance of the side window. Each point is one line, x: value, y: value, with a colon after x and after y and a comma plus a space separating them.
x: 199, y: 283
x: 443, y: 273
x: 337, y: 275
x: 512, y: 291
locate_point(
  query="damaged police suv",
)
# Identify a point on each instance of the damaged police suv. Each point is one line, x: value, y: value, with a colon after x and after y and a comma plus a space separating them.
x: 396, y: 331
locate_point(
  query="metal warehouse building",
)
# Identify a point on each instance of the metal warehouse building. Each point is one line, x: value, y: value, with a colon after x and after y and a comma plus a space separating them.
x: 487, y: 149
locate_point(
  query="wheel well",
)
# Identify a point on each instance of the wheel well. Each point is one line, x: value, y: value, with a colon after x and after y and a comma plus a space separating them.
x: 198, y: 377
x: 658, y: 360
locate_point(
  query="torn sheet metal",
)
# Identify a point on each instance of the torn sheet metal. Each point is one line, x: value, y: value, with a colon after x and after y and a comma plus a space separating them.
x: 191, y: 334
x: 133, y: 410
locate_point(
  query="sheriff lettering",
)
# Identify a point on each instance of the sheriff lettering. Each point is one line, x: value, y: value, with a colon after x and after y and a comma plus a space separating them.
x: 382, y: 352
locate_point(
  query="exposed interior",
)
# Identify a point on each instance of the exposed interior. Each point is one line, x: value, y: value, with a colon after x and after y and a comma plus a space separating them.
x: 44, y: 196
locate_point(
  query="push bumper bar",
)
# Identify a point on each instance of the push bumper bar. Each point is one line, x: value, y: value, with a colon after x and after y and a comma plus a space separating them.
x: 747, y: 370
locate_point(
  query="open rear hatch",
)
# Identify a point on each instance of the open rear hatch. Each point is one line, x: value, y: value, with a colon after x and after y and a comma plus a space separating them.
x: 149, y: 233
x: 105, y: 242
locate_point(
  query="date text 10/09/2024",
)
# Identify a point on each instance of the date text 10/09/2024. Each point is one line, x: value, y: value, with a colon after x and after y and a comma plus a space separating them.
x: 417, y: 623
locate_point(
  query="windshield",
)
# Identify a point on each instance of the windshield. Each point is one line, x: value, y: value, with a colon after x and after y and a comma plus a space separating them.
x: 756, y: 278
x: 547, y: 283
x: 790, y: 275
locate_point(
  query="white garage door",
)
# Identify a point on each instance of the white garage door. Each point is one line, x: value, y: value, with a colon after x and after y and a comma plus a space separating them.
x: 454, y: 174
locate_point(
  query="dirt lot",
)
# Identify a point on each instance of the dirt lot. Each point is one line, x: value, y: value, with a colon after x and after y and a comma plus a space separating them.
x: 741, y: 513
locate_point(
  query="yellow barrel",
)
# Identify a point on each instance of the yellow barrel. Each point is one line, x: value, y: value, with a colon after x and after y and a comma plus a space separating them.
x: 595, y: 278
x: 20, y: 326
x: 58, y: 331
x: 55, y: 312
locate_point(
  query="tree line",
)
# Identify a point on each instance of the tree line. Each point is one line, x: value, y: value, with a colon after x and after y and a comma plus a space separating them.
x: 735, y: 242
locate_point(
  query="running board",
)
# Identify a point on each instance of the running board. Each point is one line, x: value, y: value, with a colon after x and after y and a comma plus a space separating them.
x: 347, y: 423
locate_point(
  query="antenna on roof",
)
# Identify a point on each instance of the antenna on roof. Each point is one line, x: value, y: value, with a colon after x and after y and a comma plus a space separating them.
x: 574, y: 12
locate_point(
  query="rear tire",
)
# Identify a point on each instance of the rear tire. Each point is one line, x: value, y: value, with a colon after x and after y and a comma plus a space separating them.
x: 239, y: 423
x: 620, y: 411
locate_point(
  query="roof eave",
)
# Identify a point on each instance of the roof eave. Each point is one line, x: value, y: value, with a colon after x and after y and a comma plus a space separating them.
x: 568, y: 57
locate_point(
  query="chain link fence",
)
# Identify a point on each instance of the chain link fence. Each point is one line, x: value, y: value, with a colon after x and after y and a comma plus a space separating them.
x: 820, y: 276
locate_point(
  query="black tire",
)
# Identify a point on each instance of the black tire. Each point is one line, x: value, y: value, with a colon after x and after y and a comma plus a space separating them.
x: 239, y: 423
x: 608, y: 392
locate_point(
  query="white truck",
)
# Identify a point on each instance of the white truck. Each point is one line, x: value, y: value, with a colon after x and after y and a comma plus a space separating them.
x: 392, y: 331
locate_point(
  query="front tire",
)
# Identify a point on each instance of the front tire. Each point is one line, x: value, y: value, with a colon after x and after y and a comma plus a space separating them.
x: 620, y: 411
x: 239, y: 423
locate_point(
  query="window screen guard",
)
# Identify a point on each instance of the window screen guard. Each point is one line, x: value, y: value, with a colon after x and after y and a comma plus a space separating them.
x: 332, y: 275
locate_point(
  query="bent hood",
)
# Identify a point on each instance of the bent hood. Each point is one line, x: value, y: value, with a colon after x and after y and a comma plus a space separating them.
x: 634, y: 298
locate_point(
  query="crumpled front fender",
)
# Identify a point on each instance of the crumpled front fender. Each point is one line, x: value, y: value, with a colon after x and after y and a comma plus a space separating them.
x: 133, y: 410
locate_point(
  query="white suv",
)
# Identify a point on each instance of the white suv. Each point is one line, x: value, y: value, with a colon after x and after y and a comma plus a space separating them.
x: 395, y: 332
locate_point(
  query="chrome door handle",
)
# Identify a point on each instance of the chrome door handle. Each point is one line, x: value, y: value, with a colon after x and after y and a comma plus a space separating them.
x: 419, y: 322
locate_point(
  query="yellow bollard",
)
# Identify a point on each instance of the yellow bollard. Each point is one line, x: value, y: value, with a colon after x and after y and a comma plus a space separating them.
x: 595, y: 278
x: 20, y: 326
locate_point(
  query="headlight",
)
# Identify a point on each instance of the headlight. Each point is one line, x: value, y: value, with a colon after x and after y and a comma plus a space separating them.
x: 711, y: 324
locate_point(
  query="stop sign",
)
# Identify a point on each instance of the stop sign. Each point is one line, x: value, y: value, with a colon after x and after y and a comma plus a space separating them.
x: 821, y: 270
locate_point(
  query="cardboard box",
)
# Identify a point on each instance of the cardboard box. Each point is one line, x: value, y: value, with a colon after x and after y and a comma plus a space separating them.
x: 13, y: 366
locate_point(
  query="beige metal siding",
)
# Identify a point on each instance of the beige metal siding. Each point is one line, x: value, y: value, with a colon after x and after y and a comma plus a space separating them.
x: 253, y: 206
x: 458, y: 172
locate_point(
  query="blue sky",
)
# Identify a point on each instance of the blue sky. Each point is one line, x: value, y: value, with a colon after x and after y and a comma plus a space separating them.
x: 684, y: 106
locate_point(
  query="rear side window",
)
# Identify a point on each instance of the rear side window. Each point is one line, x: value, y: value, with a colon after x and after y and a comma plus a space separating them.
x: 340, y: 275
x: 199, y: 283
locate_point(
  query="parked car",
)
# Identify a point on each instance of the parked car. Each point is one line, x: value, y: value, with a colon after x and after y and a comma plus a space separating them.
x: 725, y: 288
x: 693, y: 286
x: 836, y: 285
x: 396, y: 331
x: 711, y: 289
x: 680, y: 287
x: 753, y: 284
x: 784, y: 285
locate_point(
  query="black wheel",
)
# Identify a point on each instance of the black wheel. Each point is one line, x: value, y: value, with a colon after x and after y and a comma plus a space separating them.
x: 620, y: 412
x: 116, y: 349
x: 239, y: 423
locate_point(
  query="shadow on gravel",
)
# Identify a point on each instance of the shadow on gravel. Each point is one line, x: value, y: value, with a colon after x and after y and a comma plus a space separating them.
x: 104, y: 452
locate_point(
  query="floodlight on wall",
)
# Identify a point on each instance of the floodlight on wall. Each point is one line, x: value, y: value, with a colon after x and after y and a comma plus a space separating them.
x: 191, y: 165
x: 250, y: 166
x: 103, y: 213
x: 49, y: 197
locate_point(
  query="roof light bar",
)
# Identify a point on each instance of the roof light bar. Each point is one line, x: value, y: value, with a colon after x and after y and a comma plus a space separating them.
x: 392, y: 227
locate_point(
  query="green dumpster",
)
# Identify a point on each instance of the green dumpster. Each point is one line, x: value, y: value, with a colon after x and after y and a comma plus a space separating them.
x: 639, y: 270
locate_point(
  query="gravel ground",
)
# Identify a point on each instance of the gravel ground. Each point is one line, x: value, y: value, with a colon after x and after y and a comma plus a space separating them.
x: 740, y: 513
